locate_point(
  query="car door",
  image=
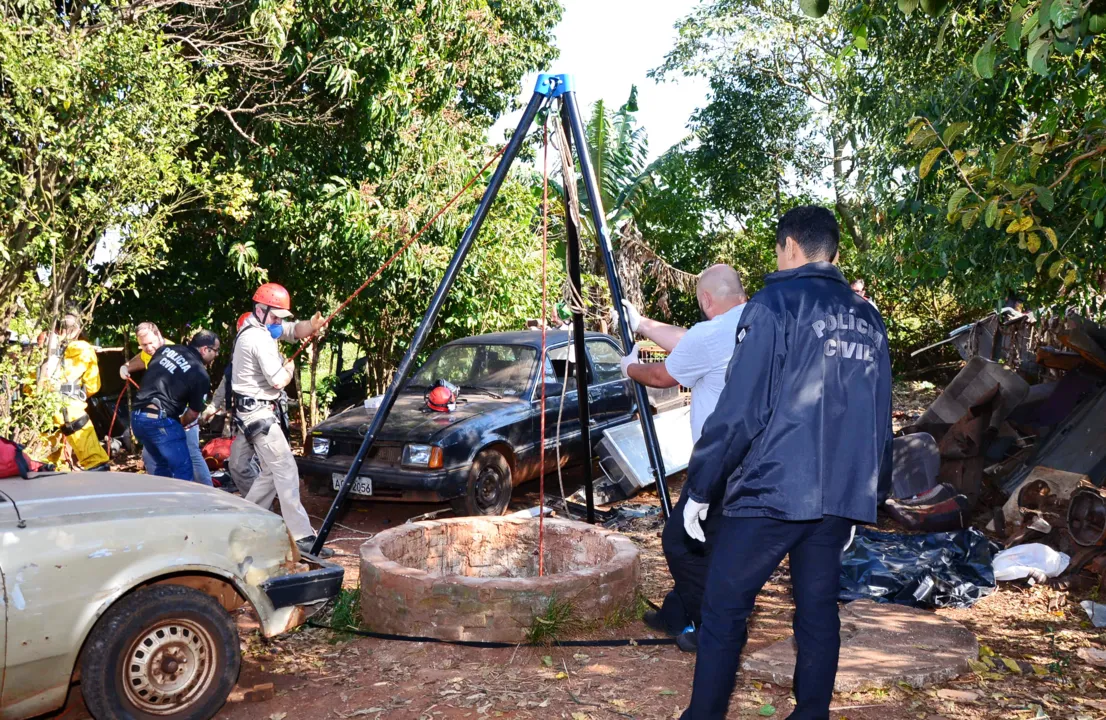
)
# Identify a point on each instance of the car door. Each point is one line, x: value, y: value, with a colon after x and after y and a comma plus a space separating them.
x: 610, y: 394
x: 3, y: 630
x: 561, y: 401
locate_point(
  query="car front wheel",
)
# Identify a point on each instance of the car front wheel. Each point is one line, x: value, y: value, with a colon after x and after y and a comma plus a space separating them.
x: 164, y: 651
x: 489, y: 487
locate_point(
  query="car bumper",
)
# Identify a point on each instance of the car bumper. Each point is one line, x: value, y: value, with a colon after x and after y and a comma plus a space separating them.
x: 319, y: 583
x: 393, y: 483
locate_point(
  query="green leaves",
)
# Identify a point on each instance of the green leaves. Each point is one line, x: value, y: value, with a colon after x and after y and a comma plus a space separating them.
x: 928, y: 161
x: 983, y: 64
x: 1013, y: 34
x: 991, y: 214
x: 908, y: 6
x: 921, y: 135
x: 1044, y: 197
x: 1003, y: 157
x: 953, y: 131
x: 1037, y: 55
x: 1062, y: 13
x: 814, y: 8
x: 933, y: 8
x: 1051, y: 235
x: 860, y: 37
x: 969, y: 218
x: 956, y: 199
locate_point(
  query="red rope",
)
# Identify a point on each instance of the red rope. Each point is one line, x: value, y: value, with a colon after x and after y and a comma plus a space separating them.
x: 544, y: 285
x: 395, y: 256
x: 115, y: 413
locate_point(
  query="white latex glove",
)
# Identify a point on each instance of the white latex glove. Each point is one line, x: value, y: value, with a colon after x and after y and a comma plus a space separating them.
x: 124, y: 372
x: 633, y: 317
x: 694, y: 513
x: 207, y: 414
x: 849, y: 542
x: 628, y: 360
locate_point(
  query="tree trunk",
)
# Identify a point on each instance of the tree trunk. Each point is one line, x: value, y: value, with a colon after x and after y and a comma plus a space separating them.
x: 314, y: 375
x: 303, y: 417
x: 841, y: 202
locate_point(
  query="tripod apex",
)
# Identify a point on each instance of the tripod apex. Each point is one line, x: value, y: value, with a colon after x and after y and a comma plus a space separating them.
x: 554, y: 85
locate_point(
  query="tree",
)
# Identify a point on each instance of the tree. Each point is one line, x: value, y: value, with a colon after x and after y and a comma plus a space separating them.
x: 753, y: 133
x: 360, y: 123
x: 94, y: 122
x: 734, y: 41
x: 1036, y: 184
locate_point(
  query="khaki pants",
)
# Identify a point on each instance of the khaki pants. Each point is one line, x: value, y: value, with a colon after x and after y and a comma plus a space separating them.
x: 245, y: 470
x: 280, y: 478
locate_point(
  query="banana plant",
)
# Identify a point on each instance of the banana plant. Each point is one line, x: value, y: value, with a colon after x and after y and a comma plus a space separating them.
x: 619, y: 150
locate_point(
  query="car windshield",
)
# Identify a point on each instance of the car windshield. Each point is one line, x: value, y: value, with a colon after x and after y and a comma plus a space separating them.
x: 490, y: 369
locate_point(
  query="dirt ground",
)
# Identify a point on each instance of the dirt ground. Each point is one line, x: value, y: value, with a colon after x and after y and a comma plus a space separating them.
x: 1029, y: 667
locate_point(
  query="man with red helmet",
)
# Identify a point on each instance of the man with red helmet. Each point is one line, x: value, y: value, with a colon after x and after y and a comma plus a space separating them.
x: 258, y: 379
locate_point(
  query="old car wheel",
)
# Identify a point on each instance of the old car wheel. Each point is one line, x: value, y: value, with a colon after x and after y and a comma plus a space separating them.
x: 165, y: 651
x: 489, y: 486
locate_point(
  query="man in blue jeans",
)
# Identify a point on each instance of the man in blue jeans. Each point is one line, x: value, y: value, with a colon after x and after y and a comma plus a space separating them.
x: 149, y: 340
x: 174, y: 392
x: 798, y: 440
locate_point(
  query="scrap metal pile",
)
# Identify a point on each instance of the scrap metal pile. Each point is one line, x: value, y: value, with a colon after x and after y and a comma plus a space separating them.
x: 1016, y: 443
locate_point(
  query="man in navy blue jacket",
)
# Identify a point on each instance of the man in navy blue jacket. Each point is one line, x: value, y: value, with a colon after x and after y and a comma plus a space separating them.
x: 798, y: 439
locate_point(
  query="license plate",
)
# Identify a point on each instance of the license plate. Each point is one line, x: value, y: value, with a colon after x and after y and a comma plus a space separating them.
x: 361, y: 485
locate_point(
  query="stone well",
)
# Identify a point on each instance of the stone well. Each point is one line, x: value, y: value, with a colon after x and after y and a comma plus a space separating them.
x: 476, y: 578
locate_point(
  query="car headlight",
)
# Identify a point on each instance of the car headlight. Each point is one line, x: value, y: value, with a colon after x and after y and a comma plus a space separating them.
x: 320, y: 446
x: 424, y: 456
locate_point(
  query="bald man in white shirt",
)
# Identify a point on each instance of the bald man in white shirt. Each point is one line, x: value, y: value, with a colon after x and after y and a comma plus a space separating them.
x: 698, y: 358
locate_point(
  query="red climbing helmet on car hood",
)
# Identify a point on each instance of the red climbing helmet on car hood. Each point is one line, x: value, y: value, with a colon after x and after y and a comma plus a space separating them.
x: 442, y: 397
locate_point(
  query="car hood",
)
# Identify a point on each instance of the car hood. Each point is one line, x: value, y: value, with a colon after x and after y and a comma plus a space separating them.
x: 409, y: 420
x: 125, y: 495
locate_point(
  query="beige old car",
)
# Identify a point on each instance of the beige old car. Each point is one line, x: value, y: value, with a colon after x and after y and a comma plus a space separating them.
x: 125, y: 584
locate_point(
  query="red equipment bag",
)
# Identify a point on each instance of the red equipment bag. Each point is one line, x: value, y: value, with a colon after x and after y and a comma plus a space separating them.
x: 13, y: 462
x: 216, y: 452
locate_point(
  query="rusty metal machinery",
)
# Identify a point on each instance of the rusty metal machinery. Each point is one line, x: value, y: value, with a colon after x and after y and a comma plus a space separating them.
x: 1087, y: 516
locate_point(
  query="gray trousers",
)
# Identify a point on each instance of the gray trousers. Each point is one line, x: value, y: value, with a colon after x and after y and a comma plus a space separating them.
x: 279, y: 478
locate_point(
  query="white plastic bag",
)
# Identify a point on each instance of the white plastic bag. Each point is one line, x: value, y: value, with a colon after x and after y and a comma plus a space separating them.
x: 1034, y: 560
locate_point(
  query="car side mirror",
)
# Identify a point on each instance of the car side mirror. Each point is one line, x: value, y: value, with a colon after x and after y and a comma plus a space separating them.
x: 553, y: 389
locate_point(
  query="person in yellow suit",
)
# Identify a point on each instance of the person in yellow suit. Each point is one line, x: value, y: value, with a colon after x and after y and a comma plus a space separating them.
x: 71, y: 371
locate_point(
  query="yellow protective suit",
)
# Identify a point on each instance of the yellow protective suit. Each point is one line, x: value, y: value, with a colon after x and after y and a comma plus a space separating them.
x: 77, y: 371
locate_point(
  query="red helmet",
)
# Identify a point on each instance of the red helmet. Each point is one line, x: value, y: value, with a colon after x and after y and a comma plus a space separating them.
x: 242, y: 319
x: 273, y: 295
x: 440, y: 398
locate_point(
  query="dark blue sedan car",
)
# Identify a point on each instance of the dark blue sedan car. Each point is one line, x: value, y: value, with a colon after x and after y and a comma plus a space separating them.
x: 476, y: 454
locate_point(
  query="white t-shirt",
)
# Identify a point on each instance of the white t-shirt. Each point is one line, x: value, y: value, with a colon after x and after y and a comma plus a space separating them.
x: 257, y: 360
x: 700, y: 360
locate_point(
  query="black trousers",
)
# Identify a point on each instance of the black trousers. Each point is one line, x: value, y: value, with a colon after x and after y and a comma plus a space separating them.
x: 748, y: 551
x: 688, y: 562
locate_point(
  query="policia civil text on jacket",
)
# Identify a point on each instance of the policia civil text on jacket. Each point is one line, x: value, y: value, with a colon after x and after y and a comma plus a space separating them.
x: 801, y: 441
x: 174, y: 392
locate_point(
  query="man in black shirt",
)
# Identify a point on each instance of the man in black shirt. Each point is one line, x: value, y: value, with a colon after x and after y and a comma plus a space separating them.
x: 173, y: 393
